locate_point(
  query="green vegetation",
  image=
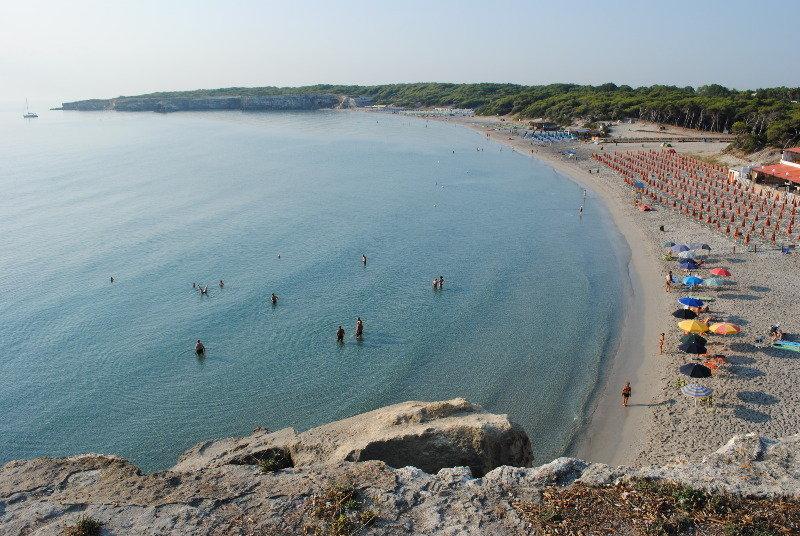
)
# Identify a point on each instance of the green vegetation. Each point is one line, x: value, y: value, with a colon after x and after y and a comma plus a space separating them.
x: 757, y: 117
x: 86, y: 526
x: 339, y: 511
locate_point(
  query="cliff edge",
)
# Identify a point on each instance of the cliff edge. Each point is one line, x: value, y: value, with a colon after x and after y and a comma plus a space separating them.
x: 358, y: 476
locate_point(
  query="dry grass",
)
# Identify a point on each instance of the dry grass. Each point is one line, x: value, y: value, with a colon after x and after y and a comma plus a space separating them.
x: 646, y: 508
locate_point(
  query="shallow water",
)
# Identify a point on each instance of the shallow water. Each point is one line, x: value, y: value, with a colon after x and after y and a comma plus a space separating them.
x: 531, y: 301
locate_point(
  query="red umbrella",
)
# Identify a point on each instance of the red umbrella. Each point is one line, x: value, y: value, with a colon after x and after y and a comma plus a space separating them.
x: 721, y: 272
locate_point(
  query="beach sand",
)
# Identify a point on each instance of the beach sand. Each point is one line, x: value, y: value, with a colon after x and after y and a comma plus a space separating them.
x: 756, y: 392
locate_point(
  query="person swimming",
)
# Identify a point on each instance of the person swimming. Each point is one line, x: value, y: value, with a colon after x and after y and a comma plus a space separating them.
x: 274, y: 299
x: 359, y: 328
x: 340, y: 335
x: 441, y: 282
x: 199, y: 349
x: 204, y: 290
x: 112, y: 278
x: 221, y: 283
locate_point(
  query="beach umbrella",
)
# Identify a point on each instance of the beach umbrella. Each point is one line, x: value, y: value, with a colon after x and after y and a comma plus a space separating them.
x: 699, y: 245
x: 692, y: 281
x: 714, y: 282
x: 688, y: 301
x: 692, y: 326
x: 695, y: 370
x: 677, y: 248
x: 688, y: 254
x: 693, y: 348
x: 685, y: 314
x: 669, y: 244
x: 639, y: 185
x: 696, y: 391
x: 693, y: 337
x: 688, y: 264
x: 722, y: 272
x: 725, y: 328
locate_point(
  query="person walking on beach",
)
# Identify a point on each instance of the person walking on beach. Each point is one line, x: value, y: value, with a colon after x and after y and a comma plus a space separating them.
x: 668, y: 281
x: 661, y: 344
x: 626, y: 394
x: 340, y: 335
x: 359, y: 328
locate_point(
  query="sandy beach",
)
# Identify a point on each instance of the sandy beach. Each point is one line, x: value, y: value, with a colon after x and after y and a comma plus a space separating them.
x: 755, y: 392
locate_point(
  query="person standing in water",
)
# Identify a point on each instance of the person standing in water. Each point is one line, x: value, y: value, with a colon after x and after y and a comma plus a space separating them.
x: 359, y: 328
x: 274, y: 299
x: 580, y: 211
x: 199, y: 349
x: 221, y: 283
x: 340, y: 335
x: 364, y: 260
x: 626, y: 394
x: 441, y: 282
x: 112, y: 278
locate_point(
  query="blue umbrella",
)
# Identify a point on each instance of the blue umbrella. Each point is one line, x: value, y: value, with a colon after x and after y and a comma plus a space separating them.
x: 677, y: 248
x: 639, y: 185
x: 692, y: 281
x: 696, y: 391
x: 690, y: 302
x: 688, y: 264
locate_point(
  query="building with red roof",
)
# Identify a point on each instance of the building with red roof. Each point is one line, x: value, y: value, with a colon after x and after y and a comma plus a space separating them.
x: 787, y: 170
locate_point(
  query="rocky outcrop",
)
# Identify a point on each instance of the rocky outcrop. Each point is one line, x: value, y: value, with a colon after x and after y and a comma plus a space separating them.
x: 300, y: 101
x: 216, y: 488
x: 428, y: 435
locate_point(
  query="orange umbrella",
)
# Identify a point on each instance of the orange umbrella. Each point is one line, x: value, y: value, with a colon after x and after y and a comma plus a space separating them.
x: 725, y: 328
x: 722, y: 272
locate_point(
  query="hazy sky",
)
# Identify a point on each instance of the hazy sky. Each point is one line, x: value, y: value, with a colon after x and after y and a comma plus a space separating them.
x: 78, y: 49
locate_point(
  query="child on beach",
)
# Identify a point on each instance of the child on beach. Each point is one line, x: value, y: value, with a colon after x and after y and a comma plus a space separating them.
x: 626, y: 394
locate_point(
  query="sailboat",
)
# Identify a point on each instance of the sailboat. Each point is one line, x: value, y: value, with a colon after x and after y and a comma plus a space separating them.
x: 28, y: 114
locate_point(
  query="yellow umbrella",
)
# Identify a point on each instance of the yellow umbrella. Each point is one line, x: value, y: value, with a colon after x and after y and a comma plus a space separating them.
x: 725, y: 328
x: 693, y: 326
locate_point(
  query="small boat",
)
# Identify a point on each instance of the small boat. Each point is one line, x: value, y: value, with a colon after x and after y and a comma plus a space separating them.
x: 28, y: 114
x: 787, y: 345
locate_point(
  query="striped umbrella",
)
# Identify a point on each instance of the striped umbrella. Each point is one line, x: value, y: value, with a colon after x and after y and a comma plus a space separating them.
x: 725, y: 328
x: 696, y: 391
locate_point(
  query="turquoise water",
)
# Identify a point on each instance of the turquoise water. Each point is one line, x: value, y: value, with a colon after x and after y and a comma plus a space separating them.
x: 531, y: 302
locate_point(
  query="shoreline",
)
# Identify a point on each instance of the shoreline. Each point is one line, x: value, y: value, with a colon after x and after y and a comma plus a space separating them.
x: 609, y: 433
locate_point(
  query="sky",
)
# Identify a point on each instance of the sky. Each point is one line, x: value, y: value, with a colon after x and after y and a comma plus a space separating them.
x: 60, y: 51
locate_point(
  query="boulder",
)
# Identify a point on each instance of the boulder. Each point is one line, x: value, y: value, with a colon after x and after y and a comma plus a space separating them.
x: 427, y: 435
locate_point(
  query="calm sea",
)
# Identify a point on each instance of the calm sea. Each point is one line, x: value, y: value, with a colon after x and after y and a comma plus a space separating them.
x: 531, y: 305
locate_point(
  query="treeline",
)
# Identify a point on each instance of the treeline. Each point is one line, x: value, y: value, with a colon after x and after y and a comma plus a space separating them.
x: 757, y: 117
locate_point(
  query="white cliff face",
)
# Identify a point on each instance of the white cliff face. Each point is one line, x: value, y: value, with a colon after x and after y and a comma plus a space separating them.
x: 217, y: 488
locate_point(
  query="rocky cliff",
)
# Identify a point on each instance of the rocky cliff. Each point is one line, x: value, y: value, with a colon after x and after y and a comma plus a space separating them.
x: 362, y: 476
x: 302, y: 101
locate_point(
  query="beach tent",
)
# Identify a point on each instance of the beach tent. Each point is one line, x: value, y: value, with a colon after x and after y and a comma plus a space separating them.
x: 695, y: 370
